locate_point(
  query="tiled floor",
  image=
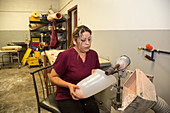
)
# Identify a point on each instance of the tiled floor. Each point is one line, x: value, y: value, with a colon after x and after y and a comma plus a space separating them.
x: 17, y: 91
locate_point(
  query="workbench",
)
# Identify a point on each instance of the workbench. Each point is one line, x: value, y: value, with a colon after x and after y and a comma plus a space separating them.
x: 52, y: 55
x: 11, y: 54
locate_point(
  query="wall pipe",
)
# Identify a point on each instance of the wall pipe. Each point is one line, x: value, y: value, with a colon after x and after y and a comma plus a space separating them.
x: 152, y: 53
x: 155, y: 50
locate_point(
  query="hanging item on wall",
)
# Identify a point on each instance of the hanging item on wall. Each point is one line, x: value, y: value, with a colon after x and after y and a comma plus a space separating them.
x: 149, y: 48
x: 54, y: 43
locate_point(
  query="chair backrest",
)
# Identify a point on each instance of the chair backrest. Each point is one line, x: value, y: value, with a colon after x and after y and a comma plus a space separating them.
x: 42, y: 85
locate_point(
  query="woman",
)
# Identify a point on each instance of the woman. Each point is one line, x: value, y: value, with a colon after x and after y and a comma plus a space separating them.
x: 70, y: 67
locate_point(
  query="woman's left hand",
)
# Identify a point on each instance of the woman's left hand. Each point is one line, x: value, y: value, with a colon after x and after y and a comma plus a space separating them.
x: 92, y: 71
x: 72, y: 89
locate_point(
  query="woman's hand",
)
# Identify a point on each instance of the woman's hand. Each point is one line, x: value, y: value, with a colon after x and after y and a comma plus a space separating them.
x: 92, y: 71
x: 54, y: 78
x: 72, y: 89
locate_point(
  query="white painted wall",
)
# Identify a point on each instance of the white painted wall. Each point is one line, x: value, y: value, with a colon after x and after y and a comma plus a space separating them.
x: 65, y: 5
x: 121, y: 14
x: 15, y: 13
x: 125, y: 14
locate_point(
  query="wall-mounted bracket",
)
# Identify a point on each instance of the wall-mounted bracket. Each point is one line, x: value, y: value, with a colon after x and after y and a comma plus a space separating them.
x: 152, y: 53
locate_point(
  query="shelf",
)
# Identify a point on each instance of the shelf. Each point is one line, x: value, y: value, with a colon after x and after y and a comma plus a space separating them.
x: 60, y: 20
x: 35, y: 36
x: 58, y: 30
x: 40, y: 22
x: 61, y: 31
x: 46, y: 30
x: 47, y: 22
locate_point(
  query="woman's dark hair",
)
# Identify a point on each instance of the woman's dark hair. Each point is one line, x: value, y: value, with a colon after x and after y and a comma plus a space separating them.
x: 78, y: 32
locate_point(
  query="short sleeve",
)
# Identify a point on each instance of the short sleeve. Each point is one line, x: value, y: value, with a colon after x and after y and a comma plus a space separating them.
x: 97, y: 62
x: 60, y: 63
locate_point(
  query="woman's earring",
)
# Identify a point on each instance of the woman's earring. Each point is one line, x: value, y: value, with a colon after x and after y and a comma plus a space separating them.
x: 74, y: 42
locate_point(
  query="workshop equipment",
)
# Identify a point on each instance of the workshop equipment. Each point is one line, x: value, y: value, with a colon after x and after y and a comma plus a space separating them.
x: 33, y: 61
x: 12, y: 55
x: 34, y: 16
x: 16, y: 48
x: 138, y: 93
x: 34, y: 26
x: 37, y: 54
x: 26, y: 55
x: 35, y: 39
x: 52, y: 15
x: 149, y: 48
x: 12, y: 52
x: 22, y: 51
x: 120, y: 68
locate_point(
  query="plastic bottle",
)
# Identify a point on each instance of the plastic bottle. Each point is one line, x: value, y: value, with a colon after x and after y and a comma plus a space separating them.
x: 94, y: 83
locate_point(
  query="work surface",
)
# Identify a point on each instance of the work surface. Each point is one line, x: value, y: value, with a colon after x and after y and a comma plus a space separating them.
x: 9, y: 54
x: 8, y: 51
x: 52, y: 55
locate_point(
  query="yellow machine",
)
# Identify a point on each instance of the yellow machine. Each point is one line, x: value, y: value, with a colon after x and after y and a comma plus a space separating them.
x: 32, y: 61
x: 37, y: 54
x: 26, y: 55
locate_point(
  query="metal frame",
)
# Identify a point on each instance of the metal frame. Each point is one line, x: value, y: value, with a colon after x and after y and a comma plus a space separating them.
x: 10, y: 54
x: 45, y: 89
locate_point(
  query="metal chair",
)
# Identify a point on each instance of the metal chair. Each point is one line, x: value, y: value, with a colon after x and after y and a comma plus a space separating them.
x: 45, y: 90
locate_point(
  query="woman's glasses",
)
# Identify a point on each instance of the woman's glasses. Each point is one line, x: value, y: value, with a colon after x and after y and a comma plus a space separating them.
x: 85, y: 39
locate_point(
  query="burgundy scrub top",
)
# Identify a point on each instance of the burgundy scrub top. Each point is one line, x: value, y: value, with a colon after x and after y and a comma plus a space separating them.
x: 72, y: 69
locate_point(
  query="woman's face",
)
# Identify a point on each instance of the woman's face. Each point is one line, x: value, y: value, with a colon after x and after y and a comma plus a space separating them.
x: 84, y: 42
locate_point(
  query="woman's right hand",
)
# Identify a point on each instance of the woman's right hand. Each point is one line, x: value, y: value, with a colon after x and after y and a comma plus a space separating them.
x: 72, y: 88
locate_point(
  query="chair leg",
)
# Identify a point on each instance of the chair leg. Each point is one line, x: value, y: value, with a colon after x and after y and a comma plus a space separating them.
x: 38, y: 109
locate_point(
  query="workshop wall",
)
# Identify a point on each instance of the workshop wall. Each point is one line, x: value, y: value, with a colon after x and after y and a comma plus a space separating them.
x: 114, y: 43
x: 15, y: 18
x: 125, y: 15
x: 120, y: 27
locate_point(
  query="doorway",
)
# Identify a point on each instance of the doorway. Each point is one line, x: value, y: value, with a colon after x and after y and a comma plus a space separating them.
x: 72, y: 22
